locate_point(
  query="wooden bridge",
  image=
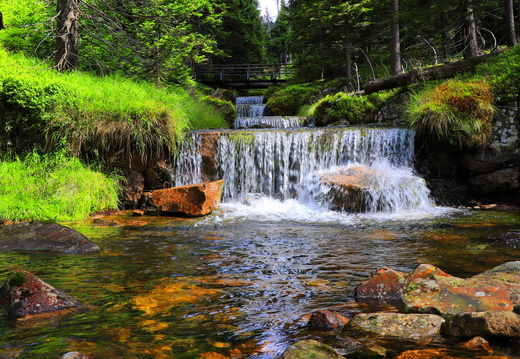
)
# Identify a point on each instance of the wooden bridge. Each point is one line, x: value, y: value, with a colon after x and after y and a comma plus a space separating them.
x: 243, y: 75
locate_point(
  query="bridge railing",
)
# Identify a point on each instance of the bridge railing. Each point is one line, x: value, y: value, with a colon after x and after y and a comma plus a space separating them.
x: 243, y: 72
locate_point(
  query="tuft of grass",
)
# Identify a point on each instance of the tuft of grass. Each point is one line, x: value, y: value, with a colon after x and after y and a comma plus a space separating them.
x: 53, y: 187
x: 456, y: 113
x: 343, y: 108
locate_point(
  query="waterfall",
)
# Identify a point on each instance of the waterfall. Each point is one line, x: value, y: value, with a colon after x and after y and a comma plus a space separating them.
x: 250, y: 110
x: 287, y: 164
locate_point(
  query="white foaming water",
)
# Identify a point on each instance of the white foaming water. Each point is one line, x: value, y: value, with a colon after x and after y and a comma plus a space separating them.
x: 275, y: 175
x: 249, y: 106
x: 270, y: 121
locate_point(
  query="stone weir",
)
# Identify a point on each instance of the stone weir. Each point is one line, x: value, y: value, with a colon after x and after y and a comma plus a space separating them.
x: 289, y: 164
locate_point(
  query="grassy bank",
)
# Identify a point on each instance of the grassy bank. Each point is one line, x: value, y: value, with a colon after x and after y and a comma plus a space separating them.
x: 53, y: 187
x: 94, y: 119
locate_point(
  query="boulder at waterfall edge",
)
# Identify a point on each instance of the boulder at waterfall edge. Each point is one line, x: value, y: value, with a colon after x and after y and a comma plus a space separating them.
x: 24, y: 294
x: 36, y: 236
x: 428, y: 289
x: 193, y: 200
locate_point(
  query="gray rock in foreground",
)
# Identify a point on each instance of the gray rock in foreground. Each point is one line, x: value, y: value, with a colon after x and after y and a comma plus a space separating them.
x: 483, y: 324
x: 310, y: 349
x: 36, y: 236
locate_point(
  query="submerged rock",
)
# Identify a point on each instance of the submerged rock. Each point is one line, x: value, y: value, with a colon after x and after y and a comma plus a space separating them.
x: 36, y: 236
x: 74, y: 355
x: 483, y: 324
x: 25, y: 294
x: 193, y: 200
x: 398, y: 325
x: 326, y: 320
x: 477, y: 343
x: 310, y: 349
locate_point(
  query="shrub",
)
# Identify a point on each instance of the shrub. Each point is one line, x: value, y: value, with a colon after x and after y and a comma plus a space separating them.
x: 226, y: 108
x: 504, y: 73
x: 53, y: 187
x: 287, y: 101
x: 342, y: 108
x: 456, y: 113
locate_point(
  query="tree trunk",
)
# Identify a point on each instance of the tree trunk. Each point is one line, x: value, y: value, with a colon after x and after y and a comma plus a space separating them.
x: 396, y: 40
x: 1, y: 21
x: 348, y: 56
x: 510, y: 22
x: 446, y: 38
x: 67, y: 36
x: 441, y: 72
x: 471, y: 40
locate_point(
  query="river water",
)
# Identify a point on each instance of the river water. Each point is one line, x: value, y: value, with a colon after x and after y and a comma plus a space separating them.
x: 241, y: 282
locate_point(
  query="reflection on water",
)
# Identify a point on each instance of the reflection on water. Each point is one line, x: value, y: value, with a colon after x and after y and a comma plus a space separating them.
x: 238, y: 283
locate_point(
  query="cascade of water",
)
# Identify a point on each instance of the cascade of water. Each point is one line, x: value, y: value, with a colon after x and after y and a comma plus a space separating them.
x: 187, y: 160
x: 250, y: 110
x: 288, y: 164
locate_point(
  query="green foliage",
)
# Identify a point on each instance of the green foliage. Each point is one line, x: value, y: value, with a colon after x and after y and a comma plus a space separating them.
x: 288, y: 100
x: 53, y: 187
x: 226, y: 108
x: 342, y: 108
x: 454, y: 113
x: 504, y: 73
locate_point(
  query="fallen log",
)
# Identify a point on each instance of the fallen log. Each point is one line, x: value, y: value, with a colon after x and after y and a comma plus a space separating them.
x: 440, y: 72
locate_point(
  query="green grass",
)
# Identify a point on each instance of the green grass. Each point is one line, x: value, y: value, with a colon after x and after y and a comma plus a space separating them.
x: 96, y: 116
x: 53, y: 187
x: 455, y: 113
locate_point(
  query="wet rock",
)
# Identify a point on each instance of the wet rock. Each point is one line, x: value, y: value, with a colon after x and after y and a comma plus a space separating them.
x: 133, y: 189
x: 426, y: 354
x: 369, y: 350
x: 483, y: 324
x: 192, y: 200
x: 310, y: 349
x: 349, y: 189
x: 36, y: 236
x: 390, y: 285
x: 398, y: 325
x: 326, y: 320
x: 506, y: 276
x: 74, y: 355
x: 444, y: 298
x: 477, y: 344
x: 24, y: 294
x: 385, y: 285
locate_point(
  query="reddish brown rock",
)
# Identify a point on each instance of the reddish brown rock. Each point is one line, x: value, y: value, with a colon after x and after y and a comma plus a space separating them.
x: 385, y: 285
x: 326, y: 320
x: 192, y: 200
x: 483, y: 324
x: 477, y: 344
x: 438, y: 297
x: 24, y: 294
x: 426, y: 354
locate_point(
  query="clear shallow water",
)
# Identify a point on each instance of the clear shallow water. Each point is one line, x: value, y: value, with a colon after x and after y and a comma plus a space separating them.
x: 239, y: 282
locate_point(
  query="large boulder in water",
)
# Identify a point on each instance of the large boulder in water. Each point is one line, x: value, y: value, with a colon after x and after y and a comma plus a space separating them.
x: 397, y: 325
x: 310, y: 349
x: 193, y: 200
x: 483, y: 324
x: 24, y: 294
x: 37, y: 236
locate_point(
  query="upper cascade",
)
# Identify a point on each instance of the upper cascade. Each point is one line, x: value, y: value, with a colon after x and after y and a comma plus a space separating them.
x: 250, y: 111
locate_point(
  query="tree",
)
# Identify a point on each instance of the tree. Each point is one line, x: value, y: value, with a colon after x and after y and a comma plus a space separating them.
x: 278, y: 37
x: 1, y: 21
x: 510, y: 22
x: 472, y: 49
x: 67, y: 35
x: 395, y: 48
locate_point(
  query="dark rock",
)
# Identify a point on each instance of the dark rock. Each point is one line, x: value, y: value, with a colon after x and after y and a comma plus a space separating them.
x: 397, y: 325
x: 483, y: 324
x: 477, y: 343
x: 24, y: 294
x: 194, y: 200
x: 489, y: 161
x: 326, y: 320
x: 500, y: 180
x: 133, y: 189
x: 310, y: 349
x: 36, y: 236
x: 157, y: 173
